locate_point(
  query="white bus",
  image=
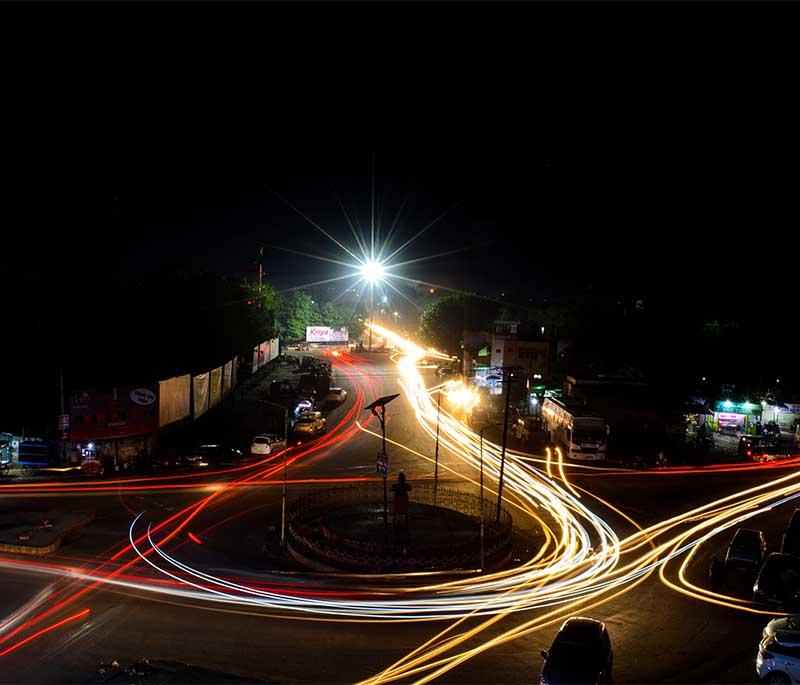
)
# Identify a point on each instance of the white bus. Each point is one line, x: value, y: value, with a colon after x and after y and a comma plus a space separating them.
x: 580, y: 434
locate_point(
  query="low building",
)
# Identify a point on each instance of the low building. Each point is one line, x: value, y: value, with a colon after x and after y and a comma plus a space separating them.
x: 516, y: 346
x: 785, y: 414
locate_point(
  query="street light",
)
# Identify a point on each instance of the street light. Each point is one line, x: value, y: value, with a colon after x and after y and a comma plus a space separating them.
x: 285, y: 466
x: 373, y: 271
x: 381, y: 403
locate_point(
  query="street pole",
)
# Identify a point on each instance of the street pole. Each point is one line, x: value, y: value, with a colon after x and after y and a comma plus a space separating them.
x: 285, y: 469
x: 436, y: 457
x: 383, y: 451
x: 483, y: 559
x: 507, y: 381
x: 63, y: 432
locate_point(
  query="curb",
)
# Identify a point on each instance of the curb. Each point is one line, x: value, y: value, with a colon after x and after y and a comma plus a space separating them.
x: 42, y: 550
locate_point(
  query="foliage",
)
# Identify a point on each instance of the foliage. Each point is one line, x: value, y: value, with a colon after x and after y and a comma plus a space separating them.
x: 297, y: 311
x: 442, y: 322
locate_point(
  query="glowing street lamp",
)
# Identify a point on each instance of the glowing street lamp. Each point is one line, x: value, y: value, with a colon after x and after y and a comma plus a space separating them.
x: 373, y: 272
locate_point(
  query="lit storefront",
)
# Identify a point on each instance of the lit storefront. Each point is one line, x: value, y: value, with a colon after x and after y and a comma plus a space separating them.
x: 736, y: 417
x: 114, y: 424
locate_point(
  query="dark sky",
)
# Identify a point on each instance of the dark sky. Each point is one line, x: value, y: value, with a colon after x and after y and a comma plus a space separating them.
x: 633, y: 149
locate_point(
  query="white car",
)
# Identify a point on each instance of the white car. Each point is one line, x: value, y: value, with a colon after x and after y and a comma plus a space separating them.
x: 267, y: 443
x: 778, y: 660
x: 336, y: 395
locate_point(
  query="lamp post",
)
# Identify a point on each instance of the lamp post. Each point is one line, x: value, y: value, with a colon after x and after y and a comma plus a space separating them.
x: 436, y: 454
x: 381, y: 403
x: 483, y: 553
x: 285, y: 467
x: 507, y: 376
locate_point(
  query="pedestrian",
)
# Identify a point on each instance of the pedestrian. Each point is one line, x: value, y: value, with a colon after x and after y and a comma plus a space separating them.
x: 400, y: 507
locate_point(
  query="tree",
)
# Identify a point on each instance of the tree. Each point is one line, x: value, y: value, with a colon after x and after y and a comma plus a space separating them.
x: 294, y: 314
x: 443, y: 321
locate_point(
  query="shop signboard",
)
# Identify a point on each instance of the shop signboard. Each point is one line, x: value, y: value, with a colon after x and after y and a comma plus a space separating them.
x: 326, y: 334
x: 116, y: 412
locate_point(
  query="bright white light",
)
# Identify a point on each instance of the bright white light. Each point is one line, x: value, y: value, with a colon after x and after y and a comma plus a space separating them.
x: 373, y: 271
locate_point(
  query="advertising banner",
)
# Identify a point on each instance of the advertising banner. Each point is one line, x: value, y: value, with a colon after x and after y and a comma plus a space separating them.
x: 273, y: 348
x: 200, y: 386
x: 121, y: 411
x: 326, y: 334
x: 174, y: 400
x: 215, y: 391
x: 227, y: 376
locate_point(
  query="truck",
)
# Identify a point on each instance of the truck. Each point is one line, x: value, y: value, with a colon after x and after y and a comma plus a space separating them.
x: 580, y: 434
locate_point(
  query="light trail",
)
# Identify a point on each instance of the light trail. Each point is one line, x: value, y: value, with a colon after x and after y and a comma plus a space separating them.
x: 583, y: 562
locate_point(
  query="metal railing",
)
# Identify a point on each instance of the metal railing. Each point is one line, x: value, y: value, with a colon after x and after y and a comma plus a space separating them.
x: 308, y: 533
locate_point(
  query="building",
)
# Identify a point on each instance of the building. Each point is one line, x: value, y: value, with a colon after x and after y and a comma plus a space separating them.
x: 514, y: 346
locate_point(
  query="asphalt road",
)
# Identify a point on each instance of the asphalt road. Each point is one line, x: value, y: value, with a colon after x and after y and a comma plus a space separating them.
x: 658, y: 635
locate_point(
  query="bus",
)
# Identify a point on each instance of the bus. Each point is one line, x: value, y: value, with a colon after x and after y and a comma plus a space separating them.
x: 580, y: 434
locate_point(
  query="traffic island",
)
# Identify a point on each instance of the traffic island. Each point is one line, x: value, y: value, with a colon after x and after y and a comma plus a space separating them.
x: 343, y: 529
x: 39, y: 533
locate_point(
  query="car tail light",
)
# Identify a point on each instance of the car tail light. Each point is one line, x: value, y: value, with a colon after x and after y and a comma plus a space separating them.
x: 749, y: 453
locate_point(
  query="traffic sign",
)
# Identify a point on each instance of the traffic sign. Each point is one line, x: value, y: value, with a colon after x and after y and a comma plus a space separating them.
x: 382, y: 465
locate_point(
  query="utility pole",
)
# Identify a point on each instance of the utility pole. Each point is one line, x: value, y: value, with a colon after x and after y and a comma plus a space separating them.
x: 381, y: 403
x: 507, y: 382
x: 285, y: 470
x: 61, y: 419
x: 483, y: 551
x: 436, y: 457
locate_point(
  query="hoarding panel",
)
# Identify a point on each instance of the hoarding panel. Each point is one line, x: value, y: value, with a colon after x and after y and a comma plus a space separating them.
x: 215, y: 391
x: 227, y: 377
x: 200, y: 384
x: 326, y: 334
x: 174, y: 400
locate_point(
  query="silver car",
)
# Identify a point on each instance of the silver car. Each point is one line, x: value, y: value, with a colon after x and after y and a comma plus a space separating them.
x: 778, y: 659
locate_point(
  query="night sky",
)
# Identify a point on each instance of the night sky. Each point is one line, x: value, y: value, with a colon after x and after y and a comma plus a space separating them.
x: 653, y: 158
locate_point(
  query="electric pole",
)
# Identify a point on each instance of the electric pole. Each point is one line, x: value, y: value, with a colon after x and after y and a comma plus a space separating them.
x: 507, y: 375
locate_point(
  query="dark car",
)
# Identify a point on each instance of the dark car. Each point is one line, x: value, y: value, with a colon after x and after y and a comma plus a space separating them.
x: 280, y: 389
x: 752, y: 446
x: 790, y: 543
x: 778, y: 582
x: 580, y: 654
x: 772, y: 433
x: 211, y: 456
x: 746, y: 550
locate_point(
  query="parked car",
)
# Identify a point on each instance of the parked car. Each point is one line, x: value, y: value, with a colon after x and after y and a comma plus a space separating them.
x: 778, y: 581
x: 91, y: 466
x: 778, y: 658
x: 580, y: 654
x: 267, y: 443
x: 310, y: 424
x: 211, y: 456
x: 791, y: 623
x: 752, y: 446
x: 746, y: 550
x: 790, y: 542
x: 280, y: 389
x: 336, y: 395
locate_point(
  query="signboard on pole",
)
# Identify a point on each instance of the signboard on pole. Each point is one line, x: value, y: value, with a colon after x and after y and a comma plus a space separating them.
x: 326, y: 334
x: 382, y: 465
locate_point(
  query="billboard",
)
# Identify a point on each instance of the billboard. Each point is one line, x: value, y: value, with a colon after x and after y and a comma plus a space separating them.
x: 174, y: 402
x: 116, y: 412
x: 200, y: 390
x: 215, y: 390
x: 326, y: 334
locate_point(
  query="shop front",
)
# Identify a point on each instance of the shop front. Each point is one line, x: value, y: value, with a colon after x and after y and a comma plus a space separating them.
x: 114, y: 425
x: 734, y: 418
x: 785, y: 414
